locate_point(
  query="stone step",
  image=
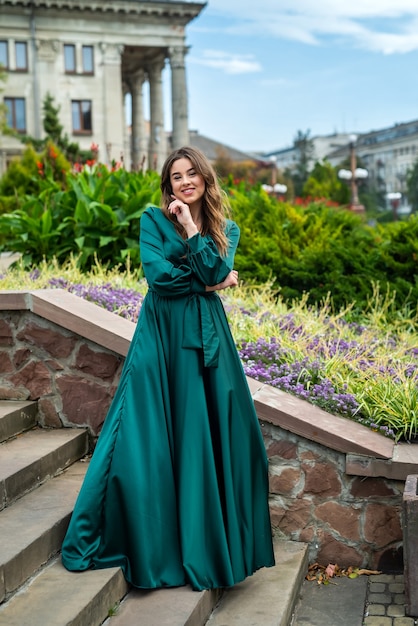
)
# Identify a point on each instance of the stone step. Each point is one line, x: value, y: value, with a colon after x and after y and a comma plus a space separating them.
x: 180, y: 606
x: 33, y: 527
x: 31, y: 458
x: 56, y: 597
x: 16, y: 417
x: 270, y: 595
x: 267, y: 598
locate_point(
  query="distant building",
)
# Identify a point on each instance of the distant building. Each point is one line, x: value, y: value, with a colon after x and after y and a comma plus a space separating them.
x: 88, y: 56
x: 322, y: 145
x: 387, y: 155
x: 215, y: 149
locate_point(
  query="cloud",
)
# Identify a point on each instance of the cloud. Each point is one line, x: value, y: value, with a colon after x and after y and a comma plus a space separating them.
x: 384, y: 26
x: 228, y: 62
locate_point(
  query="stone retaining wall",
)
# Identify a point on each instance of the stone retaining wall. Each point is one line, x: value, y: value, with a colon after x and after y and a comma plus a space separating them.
x: 351, y: 520
x: 72, y: 378
x: 346, y: 519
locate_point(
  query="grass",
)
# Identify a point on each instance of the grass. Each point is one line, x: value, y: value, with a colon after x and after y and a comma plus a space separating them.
x: 364, y: 369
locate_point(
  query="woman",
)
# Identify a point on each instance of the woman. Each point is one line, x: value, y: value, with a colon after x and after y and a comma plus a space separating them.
x: 176, y: 492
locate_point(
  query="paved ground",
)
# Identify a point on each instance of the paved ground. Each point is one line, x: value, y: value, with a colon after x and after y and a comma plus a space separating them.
x: 365, y: 601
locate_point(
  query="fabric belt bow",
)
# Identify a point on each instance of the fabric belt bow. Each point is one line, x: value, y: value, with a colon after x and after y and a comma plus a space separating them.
x: 199, y: 329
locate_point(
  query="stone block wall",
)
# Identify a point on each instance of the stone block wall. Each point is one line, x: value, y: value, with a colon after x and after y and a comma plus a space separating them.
x: 351, y: 520
x: 73, y: 379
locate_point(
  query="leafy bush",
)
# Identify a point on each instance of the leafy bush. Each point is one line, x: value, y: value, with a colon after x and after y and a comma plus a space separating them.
x: 31, y: 173
x: 313, y: 249
x: 320, y: 250
x: 21, y: 175
x: 97, y: 215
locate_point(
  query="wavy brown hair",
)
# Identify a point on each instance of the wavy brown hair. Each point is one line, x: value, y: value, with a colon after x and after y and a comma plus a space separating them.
x: 214, y: 202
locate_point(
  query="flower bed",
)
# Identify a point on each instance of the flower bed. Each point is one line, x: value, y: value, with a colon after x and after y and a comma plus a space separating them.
x: 367, y: 372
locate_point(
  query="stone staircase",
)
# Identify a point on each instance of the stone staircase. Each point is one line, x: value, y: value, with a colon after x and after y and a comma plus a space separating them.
x: 41, y: 472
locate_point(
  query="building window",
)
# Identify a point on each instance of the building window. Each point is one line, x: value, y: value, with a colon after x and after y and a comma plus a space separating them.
x: 82, y: 117
x: 88, y: 60
x: 4, y: 55
x: 21, y: 50
x: 69, y: 59
x: 16, y: 115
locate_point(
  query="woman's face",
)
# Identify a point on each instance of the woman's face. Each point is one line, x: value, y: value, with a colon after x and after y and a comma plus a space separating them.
x: 187, y: 185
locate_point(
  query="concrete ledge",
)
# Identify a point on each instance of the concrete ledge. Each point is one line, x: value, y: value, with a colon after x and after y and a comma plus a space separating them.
x: 404, y: 461
x: 75, y: 314
x: 302, y: 418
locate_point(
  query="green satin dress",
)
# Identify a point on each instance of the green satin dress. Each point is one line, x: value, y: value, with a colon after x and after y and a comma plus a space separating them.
x: 177, y: 489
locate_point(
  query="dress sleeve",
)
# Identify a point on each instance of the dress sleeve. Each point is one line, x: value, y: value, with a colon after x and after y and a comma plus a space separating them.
x: 162, y: 275
x: 204, y: 258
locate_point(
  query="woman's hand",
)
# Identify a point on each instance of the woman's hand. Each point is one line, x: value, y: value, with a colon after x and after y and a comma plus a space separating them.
x: 230, y: 281
x: 182, y: 212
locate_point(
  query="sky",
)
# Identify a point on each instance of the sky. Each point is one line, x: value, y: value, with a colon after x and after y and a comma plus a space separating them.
x: 258, y: 71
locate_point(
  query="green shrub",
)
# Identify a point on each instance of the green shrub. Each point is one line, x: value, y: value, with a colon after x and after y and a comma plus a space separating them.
x: 95, y: 216
x: 21, y: 175
x: 320, y: 250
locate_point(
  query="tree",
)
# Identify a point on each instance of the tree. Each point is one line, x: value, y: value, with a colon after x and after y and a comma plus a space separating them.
x: 323, y: 182
x: 54, y: 133
x: 52, y: 126
x: 412, y: 186
x: 304, y: 147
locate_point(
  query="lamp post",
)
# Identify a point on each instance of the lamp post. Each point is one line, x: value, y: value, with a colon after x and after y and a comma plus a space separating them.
x: 394, y: 198
x: 353, y: 175
x: 277, y: 189
x: 273, y: 162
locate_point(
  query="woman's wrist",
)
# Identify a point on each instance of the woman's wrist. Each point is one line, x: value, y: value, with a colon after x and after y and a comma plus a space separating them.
x: 191, y: 229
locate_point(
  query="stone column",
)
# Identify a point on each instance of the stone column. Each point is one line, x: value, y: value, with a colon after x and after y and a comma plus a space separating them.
x: 112, y: 111
x: 45, y: 56
x: 139, y: 143
x: 126, y: 155
x: 157, y: 150
x: 179, y: 96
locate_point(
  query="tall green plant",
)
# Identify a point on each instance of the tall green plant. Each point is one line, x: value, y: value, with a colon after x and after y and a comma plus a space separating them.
x: 95, y: 217
x: 323, y: 183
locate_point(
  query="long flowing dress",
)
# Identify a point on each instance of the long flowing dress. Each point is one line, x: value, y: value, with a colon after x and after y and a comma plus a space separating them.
x: 177, y: 488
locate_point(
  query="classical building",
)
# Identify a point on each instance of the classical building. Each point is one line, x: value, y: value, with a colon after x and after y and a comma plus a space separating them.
x: 89, y: 55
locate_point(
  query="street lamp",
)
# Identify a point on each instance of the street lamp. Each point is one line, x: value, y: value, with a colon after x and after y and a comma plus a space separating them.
x: 353, y: 175
x: 275, y: 188
x: 394, y: 198
x: 273, y: 162
x: 278, y: 189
